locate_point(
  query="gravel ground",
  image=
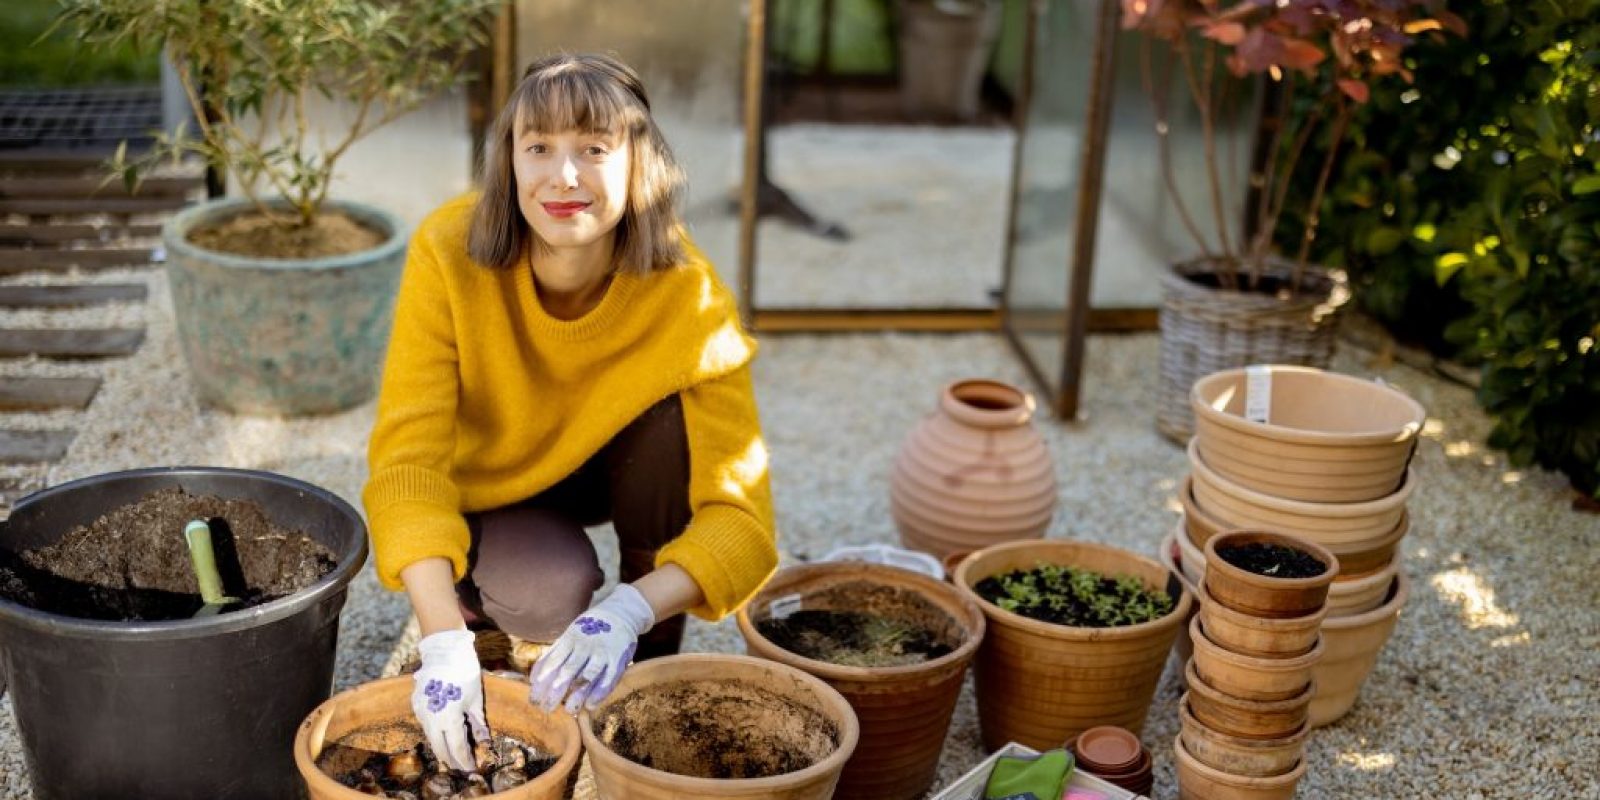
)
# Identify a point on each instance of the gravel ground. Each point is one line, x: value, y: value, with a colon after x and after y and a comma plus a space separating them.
x: 1493, y: 663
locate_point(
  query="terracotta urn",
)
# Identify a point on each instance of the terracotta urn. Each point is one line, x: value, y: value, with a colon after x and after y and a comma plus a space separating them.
x: 973, y: 473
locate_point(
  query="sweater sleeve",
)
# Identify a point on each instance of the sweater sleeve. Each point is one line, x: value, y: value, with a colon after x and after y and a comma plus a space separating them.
x: 413, y: 506
x: 729, y: 547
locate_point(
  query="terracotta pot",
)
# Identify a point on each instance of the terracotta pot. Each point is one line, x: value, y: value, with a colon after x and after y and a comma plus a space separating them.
x: 904, y: 711
x: 1265, y: 595
x: 1236, y: 755
x: 1351, y: 648
x: 385, y: 707
x: 1196, y: 781
x: 616, y: 777
x: 952, y: 561
x: 1350, y: 596
x: 1248, y: 677
x: 1191, y: 559
x: 1171, y: 556
x: 1040, y: 684
x: 1355, y: 559
x: 973, y: 473
x: 1199, y: 524
x: 1358, y: 525
x: 1262, y: 637
x: 1251, y: 719
x: 1329, y: 438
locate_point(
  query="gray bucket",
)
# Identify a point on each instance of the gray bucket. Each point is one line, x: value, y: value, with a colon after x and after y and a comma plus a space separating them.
x: 195, y: 708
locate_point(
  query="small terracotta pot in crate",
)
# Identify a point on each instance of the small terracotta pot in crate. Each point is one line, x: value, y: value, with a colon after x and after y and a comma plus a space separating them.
x: 1266, y: 595
x: 1261, y: 637
x: 1237, y: 755
x: 1252, y: 719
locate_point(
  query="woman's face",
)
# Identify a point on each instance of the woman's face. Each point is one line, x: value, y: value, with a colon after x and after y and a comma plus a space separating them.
x: 572, y: 186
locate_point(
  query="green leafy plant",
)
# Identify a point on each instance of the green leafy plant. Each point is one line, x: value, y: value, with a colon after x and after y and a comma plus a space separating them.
x: 249, y: 67
x: 1067, y: 595
x: 1527, y: 256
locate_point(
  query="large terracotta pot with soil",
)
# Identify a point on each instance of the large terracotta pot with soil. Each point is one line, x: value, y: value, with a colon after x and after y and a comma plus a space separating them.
x: 283, y: 335
x: 123, y: 682
x: 895, y: 643
x: 1041, y: 683
x: 718, y: 726
x: 1352, y: 646
x: 376, y: 719
x: 973, y: 473
x: 1326, y: 437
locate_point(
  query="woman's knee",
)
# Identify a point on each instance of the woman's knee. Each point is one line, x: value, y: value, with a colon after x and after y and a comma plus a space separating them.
x: 535, y: 571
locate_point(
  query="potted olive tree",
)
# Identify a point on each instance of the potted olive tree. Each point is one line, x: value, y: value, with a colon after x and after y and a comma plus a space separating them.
x: 283, y: 297
x: 1237, y: 302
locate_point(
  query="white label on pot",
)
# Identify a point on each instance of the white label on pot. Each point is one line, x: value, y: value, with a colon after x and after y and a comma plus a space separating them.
x: 1257, y: 393
x: 782, y: 607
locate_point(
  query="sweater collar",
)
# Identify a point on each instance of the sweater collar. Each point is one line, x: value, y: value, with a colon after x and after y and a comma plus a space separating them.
x: 600, y: 319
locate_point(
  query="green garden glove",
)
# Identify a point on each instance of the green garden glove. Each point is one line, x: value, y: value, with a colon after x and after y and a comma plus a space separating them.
x: 1039, y: 777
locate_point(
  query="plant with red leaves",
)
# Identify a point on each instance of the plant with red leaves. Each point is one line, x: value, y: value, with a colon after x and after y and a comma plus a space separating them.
x: 1332, y: 50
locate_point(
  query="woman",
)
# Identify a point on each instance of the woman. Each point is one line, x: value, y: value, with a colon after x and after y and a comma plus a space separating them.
x: 563, y: 355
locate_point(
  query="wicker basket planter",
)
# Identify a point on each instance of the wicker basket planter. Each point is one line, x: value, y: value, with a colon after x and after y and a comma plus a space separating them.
x: 1206, y: 329
x: 1041, y: 684
x: 904, y: 711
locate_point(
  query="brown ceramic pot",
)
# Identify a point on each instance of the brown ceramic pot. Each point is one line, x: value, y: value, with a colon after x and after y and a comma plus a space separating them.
x: 973, y: 473
x: 383, y: 708
x: 616, y: 777
x: 1265, y: 595
x: 1249, y: 677
x: 1261, y: 637
x: 1199, y: 524
x: 1196, y: 781
x: 903, y: 711
x: 1252, y: 719
x: 1258, y: 758
x: 1352, y: 646
x: 1170, y: 555
x: 1329, y: 438
x: 1349, y: 596
x: 1040, y: 684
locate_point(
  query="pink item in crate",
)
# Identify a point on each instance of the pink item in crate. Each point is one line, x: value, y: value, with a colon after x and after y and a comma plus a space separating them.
x: 1082, y: 794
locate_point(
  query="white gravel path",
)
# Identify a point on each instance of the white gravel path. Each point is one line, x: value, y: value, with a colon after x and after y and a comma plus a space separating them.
x: 1489, y: 688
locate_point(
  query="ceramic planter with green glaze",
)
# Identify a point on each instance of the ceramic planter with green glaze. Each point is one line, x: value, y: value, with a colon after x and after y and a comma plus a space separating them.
x: 283, y: 336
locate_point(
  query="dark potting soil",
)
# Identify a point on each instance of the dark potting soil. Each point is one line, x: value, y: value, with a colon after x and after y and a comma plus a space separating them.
x: 1273, y: 560
x: 716, y: 729
x: 506, y: 763
x: 853, y: 639
x: 133, y: 563
x: 1076, y: 597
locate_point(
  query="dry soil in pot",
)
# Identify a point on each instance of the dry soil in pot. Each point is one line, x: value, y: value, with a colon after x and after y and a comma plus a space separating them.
x: 861, y: 624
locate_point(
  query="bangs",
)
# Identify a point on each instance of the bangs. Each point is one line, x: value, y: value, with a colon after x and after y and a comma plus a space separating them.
x: 567, y: 98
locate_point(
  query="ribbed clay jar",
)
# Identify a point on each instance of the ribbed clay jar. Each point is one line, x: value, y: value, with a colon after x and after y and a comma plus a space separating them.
x: 973, y: 473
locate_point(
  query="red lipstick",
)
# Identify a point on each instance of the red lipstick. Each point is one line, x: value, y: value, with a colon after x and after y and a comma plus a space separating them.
x: 563, y: 210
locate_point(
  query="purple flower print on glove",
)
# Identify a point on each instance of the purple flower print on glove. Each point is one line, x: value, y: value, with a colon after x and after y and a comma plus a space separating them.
x: 441, y: 694
x: 593, y: 627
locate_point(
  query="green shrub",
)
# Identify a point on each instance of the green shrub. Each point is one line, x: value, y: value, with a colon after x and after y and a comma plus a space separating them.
x: 60, y: 59
x: 1527, y: 255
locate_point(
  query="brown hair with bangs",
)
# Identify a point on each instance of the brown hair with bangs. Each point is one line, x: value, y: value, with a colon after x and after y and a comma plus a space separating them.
x: 583, y: 92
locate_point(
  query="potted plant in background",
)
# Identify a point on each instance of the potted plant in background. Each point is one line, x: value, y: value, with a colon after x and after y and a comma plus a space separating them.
x: 283, y: 297
x: 944, y: 51
x: 1239, y: 303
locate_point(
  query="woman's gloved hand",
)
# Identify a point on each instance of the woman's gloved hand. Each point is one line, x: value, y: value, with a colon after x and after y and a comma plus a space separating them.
x: 448, y: 697
x: 585, y: 663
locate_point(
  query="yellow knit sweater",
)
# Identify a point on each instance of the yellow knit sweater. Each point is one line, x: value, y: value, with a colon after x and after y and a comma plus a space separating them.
x: 488, y: 400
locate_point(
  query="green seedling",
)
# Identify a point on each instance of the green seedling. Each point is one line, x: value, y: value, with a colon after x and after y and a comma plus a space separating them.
x: 204, y: 559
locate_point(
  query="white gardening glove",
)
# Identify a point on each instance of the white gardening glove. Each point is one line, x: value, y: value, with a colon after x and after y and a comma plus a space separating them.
x: 586, y: 662
x: 448, y: 697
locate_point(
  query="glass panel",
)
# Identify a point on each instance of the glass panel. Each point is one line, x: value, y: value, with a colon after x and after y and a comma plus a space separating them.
x: 1141, y: 231
x: 1048, y: 178
x: 690, y: 61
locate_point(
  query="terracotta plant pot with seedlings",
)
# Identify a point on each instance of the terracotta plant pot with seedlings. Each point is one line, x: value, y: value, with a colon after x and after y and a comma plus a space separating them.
x: 1260, y: 587
x: 1041, y: 683
x: 1324, y: 437
x: 719, y: 726
x: 1250, y: 677
x: 974, y: 472
x: 1237, y: 755
x: 376, y: 718
x: 1352, y: 646
x: 1196, y: 781
x: 132, y: 677
x: 895, y: 643
x: 1251, y: 719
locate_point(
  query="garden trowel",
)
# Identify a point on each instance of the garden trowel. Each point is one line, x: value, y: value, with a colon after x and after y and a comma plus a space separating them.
x: 198, y: 534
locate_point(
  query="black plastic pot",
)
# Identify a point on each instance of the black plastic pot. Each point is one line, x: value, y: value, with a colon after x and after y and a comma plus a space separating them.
x: 196, y: 708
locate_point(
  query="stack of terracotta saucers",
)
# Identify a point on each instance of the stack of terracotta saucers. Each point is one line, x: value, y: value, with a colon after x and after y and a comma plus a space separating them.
x: 1256, y: 639
x: 1114, y: 755
x: 1318, y: 455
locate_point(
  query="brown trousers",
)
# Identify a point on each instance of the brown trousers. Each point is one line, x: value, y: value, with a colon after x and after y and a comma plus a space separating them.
x: 532, y: 569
